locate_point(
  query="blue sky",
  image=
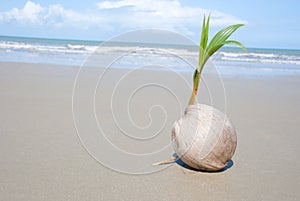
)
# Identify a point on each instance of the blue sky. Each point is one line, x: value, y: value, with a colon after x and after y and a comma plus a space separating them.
x: 269, y: 24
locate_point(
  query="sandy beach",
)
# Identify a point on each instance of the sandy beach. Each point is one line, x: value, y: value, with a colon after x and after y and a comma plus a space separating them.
x: 43, y: 158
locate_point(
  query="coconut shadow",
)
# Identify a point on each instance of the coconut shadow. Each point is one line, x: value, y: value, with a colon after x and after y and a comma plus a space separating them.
x: 184, y: 165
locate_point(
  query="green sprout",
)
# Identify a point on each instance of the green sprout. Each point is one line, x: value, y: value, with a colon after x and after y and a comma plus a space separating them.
x: 206, y: 51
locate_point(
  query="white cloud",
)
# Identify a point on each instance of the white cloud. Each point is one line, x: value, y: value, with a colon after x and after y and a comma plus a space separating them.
x: 166, y: 13
x: 29, y: 14
x: 54, y: 15
x: 31, y: 11
x: 121, y: 15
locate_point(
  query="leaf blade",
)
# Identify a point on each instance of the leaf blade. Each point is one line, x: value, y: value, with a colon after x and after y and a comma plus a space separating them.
x: 204, y: 40
x: 221, y: 37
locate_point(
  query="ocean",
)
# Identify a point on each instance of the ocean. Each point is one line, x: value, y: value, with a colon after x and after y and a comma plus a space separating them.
x: 228, y: 61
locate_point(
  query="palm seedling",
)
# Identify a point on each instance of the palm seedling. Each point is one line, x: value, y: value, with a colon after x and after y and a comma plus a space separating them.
x: 204, y: 138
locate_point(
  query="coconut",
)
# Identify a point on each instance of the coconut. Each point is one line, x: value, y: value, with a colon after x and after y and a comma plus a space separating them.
x: 204, y: 138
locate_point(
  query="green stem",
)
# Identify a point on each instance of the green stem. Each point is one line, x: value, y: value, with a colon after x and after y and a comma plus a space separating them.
x: 195, y: 88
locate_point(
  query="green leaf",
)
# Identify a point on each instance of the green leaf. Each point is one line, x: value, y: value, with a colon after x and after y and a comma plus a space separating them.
x: 219, y: 40
x: 203, y: 41
x: 204, y: 38
x: 236, y: 43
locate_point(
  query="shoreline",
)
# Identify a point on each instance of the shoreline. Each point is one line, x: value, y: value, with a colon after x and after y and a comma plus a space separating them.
x: 217, y: 71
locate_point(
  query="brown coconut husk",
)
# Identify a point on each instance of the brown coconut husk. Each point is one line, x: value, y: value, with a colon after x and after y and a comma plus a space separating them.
x: 204, y: 138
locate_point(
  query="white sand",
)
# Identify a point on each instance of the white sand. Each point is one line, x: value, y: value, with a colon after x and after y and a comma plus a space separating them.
x: 42, y: 158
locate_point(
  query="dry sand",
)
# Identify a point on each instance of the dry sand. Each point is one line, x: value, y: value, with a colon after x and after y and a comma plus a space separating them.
x: 42, y: 158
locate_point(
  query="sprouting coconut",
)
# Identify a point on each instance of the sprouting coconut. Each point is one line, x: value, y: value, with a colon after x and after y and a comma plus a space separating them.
x: 204, y: 138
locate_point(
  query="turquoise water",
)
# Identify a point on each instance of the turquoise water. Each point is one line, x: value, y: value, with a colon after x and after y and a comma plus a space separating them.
x: 75, y: 52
